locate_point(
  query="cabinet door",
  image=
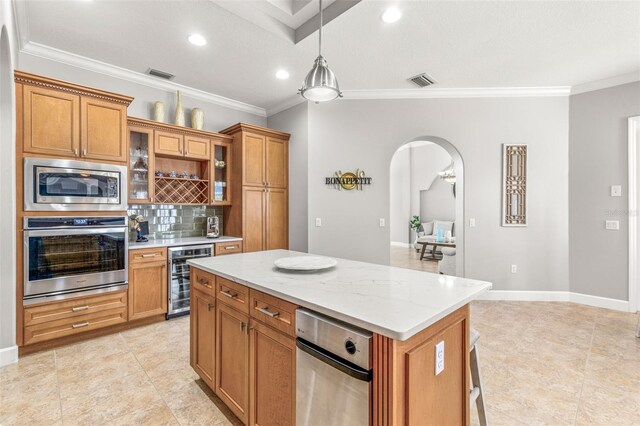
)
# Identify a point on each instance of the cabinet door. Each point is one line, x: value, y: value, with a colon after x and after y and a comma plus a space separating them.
x: 199, y: 148
x: 276, y: 164
x: 203, y: 331
x: 51, y: 122
x: 103, y: 130
x: 277, y: 232
x: 232, y: 360
x: 253, y: 202
x: 147, y: 289
x: 253, y: 156
x: 168, y: 143
x: 141, y: 165
x: 272, y: 375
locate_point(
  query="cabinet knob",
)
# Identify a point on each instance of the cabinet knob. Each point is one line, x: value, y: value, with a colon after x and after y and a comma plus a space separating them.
x: 210, y: 306
x: 84, y: 152
x: 75, y: 152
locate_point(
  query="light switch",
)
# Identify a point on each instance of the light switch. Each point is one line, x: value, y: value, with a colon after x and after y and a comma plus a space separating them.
x: 382, y: 222
x: 616, y: 190
x: 318, y: 221
x: 612, y: 225
x: 472, y: 222
x: 439, y: 357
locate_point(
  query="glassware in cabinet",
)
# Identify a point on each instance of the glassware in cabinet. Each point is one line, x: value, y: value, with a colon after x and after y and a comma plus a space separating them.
x: 140, y: 165
x: 221, y: 172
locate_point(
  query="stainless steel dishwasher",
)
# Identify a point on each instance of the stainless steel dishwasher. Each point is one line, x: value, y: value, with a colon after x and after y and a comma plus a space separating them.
x: 333, y: 371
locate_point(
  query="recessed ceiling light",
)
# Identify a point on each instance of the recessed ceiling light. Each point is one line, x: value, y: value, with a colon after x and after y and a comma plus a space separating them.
x: 282, y: 75
x: 391, y: 15
x: 197, y: 39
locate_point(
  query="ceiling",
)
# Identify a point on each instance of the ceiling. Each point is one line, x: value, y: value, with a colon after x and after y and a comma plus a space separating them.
x: 472, y: 44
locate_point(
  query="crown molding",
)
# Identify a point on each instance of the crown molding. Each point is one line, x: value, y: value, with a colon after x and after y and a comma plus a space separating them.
x: 20, y: 13
x: 289, y: 103
x: 605, y: 83
x: 473, y: 92
x: 78, y: 61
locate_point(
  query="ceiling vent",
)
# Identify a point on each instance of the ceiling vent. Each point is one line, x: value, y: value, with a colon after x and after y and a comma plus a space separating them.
x: 422, y: 80
x: 160, y: 74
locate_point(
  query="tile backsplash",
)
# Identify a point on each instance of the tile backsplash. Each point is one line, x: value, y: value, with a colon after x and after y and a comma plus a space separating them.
x: 170, y: 221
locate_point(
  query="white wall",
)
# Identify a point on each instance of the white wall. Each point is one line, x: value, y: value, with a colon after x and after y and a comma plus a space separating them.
x: 438, y: 202
x: 426, y: 162
x: 598, y: 159
x: 350, y: 134
x: 295, y: 121
x: 400, y: 196
x: 8, y: 49
x: 216, y: 117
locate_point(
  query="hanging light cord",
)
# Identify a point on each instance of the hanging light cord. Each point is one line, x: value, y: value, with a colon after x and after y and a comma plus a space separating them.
x: 320, y: 39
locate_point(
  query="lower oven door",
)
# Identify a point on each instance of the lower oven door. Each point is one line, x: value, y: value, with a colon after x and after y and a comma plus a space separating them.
x: 329, y: 391
x: 65, y: 260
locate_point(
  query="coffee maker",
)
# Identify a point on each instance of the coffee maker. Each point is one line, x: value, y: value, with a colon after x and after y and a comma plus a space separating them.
x: 213, y: 227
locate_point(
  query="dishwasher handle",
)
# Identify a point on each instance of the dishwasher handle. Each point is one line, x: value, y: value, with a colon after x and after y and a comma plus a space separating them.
x: 334, y: 361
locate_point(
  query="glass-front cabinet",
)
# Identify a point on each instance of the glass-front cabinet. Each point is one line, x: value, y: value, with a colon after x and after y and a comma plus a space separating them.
x: 221, y: 163
x: 140, y: 165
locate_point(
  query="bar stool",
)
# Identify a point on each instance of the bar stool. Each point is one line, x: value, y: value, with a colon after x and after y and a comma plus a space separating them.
x: 476, y: 379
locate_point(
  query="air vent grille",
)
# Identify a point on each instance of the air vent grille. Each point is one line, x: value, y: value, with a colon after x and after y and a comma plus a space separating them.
x: 422, y: 80
x: 160, y: 74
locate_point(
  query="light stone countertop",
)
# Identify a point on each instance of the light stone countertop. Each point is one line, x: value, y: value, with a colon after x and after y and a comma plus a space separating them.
x: 394, y: 302
x: 176, y: 242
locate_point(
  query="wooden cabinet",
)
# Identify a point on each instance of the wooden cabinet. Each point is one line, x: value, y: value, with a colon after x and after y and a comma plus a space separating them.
x: 51, y: 122
x: 202, y: 333
x: 168, y: 143
x: 197, y: 147
x: 260, y: 210
x: 272, y: 375
x: 228, y: 248
x: 232, y: 360
x: 103, y: 130
x: 147, y: 283
x: 67, y: 120
x: 141, y: 164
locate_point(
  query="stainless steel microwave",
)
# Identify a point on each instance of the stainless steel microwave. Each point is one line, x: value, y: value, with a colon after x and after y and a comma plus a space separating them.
x: 70, y: 185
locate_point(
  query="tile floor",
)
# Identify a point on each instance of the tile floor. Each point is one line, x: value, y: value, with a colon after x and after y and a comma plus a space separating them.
x: 408, y: 258
x: 543, y: 363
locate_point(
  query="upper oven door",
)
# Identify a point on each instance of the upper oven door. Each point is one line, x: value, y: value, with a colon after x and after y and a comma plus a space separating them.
x: 67, y: 185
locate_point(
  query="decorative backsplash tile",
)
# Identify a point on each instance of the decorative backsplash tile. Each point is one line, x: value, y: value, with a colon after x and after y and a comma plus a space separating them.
x: 169, y: 221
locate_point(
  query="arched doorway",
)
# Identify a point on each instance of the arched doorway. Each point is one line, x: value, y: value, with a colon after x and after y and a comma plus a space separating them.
x: 8, y: 350
x: 448, y: 154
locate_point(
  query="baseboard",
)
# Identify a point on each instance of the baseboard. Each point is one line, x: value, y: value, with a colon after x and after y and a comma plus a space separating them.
x: 399, y: 244
x: 557, y: 296
x: 8, y: 355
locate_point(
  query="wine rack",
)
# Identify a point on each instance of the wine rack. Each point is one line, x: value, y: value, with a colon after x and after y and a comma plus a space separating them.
x: 169, y: 190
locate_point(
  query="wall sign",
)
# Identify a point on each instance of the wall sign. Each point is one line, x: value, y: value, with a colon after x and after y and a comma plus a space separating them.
x: 348, y: 180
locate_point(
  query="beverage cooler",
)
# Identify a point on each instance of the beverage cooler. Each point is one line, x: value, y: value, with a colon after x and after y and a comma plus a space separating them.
x: 179, y: 277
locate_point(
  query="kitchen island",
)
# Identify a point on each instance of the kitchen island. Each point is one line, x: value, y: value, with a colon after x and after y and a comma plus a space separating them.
x: 409, y: 313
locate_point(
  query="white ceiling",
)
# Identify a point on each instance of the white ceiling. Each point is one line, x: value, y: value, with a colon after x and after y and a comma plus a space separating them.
x: 460, y: 44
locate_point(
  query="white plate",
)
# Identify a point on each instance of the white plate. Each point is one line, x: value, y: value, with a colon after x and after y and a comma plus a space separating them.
x: 305, y: 263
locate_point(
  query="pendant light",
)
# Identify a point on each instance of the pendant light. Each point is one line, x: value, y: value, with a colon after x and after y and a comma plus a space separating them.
x: 320, y: 85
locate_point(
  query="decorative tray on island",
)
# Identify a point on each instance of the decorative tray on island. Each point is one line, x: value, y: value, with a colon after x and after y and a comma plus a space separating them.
x: 305, y: 263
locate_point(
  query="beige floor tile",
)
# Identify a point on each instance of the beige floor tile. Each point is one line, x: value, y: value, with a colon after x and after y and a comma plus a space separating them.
x: 30, y: 399
x: 603, y: 404
x: 90, y: 350
x: 157, y: 414
x: 211, y: 412
x: 29, y: 365
x: 181, y: 391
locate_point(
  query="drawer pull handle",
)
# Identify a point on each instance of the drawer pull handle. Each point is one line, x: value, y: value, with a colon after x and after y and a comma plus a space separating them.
x: 82, y: 324
x: 229, y: 294
x: 204, y: 282
x: 80, y: 308
x: 266, y: 311
x: 149, y: 255
x: 230, y: 247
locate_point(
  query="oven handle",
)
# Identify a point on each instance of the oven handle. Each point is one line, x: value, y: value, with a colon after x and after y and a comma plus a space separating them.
x: 334, y: 361
x: 73, y: 231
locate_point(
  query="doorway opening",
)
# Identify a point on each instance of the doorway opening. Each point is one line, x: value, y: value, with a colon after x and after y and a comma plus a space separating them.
x: 426, y: 217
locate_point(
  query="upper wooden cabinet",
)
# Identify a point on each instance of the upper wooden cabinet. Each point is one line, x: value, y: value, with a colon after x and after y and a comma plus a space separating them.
x: 168, y: 143
x: 253, y: 158
x: 196, y: 147
x: 70, y: 121
x: 276, y: 163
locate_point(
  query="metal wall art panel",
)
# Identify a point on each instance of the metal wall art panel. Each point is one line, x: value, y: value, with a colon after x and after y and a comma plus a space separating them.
x: 514, y: 185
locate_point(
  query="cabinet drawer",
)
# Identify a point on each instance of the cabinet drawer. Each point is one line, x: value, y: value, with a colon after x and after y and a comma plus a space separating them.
x: 273, y: 311
x: 74, y: 325
x: 203, y: 281
x: 233, y: 294
x: 228, y: 248
x: 147, y: 255
x: 74, y: 309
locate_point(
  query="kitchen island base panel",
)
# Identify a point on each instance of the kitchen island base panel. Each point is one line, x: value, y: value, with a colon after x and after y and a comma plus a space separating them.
x: 406, y: 390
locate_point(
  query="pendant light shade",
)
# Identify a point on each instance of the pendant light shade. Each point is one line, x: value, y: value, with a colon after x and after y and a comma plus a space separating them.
x: 320, y: 84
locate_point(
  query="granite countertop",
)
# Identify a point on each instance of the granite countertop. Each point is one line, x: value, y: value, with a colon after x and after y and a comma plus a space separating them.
x: 187, y: 241
x: 394, y: 302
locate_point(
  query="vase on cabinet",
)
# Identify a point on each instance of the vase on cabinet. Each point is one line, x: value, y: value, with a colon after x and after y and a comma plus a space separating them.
x: 179, y: 111
x: 197, y: 119
x: 158, y: 111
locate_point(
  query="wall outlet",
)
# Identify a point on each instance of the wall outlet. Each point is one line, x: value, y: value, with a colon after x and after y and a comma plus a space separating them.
x: 439, y: 358
x: 318, y: 221
x: 472, y: 222
x: 514, y: 269
x: 382, y: 222
x: 616, y: 190
x: 613, y: 225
